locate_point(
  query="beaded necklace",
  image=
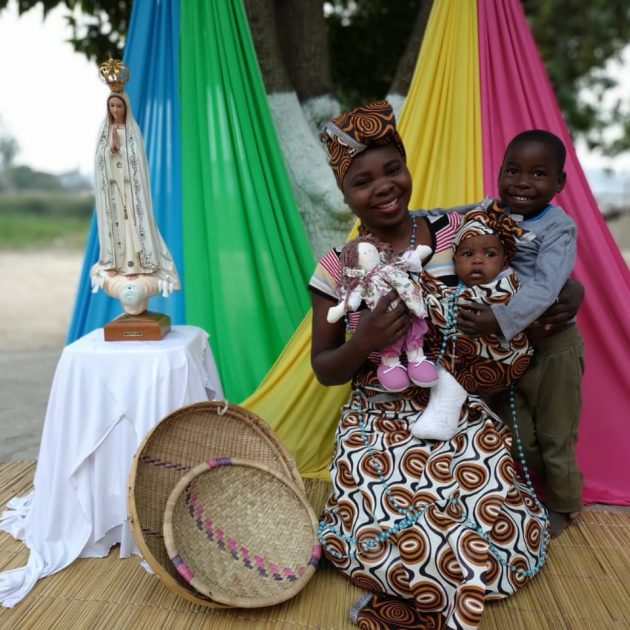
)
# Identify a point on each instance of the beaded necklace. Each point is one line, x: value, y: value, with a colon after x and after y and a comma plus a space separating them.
x: 413, y: 514
x: 412, y: 236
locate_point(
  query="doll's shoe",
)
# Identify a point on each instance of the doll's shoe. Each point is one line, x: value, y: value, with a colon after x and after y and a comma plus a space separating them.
x: 393, y: 377
x: 422, y: 373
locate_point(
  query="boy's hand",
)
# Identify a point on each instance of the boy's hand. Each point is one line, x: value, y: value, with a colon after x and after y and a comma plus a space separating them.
x: 566, y: 306
x: 477, y: 320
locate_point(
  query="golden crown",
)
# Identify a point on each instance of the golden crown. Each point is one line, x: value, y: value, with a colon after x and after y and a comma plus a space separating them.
x: 115, y: 73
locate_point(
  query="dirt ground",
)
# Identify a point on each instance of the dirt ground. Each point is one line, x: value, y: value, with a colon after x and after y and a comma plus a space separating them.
x: 39, y: 290
x: 38, y: 293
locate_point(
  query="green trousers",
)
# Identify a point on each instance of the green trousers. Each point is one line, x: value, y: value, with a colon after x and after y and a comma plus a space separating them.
x: 548, y: 401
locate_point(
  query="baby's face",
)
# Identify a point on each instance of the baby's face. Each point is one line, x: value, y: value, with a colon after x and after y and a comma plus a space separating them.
x: 479, y: 259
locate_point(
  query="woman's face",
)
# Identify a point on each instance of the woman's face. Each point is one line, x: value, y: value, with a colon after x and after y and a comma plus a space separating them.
x: 377, y: 187
x: 116, y: 108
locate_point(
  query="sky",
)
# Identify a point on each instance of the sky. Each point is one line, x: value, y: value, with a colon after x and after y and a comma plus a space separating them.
x: 52, y: 100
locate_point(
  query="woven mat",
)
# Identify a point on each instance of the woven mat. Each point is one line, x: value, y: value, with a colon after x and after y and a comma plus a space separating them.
x: 584, y: 585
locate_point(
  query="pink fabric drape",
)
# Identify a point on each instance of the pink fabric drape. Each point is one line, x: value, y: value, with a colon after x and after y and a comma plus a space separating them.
x: 516, y: 95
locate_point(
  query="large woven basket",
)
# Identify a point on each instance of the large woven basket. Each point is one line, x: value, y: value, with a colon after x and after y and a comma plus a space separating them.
x: 178, y: 443
x: 240, y: 533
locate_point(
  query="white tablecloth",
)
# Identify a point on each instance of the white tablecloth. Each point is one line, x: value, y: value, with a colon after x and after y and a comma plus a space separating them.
x: 105, y: 397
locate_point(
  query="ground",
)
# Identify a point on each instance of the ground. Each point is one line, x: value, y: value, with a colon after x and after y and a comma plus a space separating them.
x: 39, y: 289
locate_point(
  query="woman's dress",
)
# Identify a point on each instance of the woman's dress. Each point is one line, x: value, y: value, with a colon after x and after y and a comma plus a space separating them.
x: 443, y: 525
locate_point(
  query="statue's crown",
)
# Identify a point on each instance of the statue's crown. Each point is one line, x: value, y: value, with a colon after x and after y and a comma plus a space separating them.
x: 115, y: 73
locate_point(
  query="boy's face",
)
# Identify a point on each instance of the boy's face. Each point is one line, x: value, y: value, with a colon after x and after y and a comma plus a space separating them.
x: 479, y: 259
x: 529, y: 177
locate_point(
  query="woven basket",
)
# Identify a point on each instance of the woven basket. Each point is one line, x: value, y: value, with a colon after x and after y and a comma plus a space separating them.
x: 179, y: 442
x: 240, y: 533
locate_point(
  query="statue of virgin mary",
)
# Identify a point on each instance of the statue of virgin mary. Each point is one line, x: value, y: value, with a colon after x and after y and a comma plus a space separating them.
x: 129, y: 240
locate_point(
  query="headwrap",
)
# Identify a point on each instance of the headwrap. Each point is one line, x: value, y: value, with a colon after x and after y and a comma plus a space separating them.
x: 490, y: 221
x: 349, y: 134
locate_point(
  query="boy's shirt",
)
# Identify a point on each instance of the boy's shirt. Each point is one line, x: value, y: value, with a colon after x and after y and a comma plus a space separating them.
x: 543, y: 264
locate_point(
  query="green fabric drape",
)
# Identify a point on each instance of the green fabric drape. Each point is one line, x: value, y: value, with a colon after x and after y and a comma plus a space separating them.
x: 246, y: 255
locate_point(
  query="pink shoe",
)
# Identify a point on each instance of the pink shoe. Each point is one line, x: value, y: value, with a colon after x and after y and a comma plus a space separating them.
x: 422, y: 373
x: 393, y: 377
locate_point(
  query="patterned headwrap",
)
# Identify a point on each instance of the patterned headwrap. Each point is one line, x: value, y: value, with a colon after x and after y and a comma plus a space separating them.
x: 490, y: 221
x: 349, y: 134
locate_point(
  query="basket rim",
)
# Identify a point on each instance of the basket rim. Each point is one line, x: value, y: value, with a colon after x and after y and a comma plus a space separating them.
x: 243, y: 415
x: 215, y: 593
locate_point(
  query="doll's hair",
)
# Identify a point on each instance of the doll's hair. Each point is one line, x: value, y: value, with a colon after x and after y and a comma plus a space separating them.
x: 349, y: 258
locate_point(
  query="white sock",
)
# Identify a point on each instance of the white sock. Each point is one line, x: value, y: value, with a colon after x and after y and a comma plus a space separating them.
x: 441, y: 416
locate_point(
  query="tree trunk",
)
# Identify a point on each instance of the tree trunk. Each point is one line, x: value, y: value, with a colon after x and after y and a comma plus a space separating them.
x: 326, y: 218
x: 303, y: 34
x: 261, y: 15
x: 406, y: 65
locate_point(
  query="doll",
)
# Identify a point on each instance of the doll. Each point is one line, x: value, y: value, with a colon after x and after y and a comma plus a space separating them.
x: 370, y: 271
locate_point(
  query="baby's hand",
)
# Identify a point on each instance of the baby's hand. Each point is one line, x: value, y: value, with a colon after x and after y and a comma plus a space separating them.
x: 476, y: 319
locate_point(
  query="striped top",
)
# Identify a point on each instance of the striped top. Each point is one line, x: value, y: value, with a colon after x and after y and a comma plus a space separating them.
x: 442, y: 226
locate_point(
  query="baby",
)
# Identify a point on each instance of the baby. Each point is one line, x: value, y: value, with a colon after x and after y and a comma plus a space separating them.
x: 485, y: 244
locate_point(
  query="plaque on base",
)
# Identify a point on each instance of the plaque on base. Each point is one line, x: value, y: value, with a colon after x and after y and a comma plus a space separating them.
x: 147, y: 326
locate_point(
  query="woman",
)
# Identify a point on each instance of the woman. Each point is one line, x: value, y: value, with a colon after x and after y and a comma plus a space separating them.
x: 129, y: 240
x: 433, y: 528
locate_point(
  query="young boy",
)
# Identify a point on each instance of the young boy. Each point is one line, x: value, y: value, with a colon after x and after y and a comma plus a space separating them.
x: 548, y: 396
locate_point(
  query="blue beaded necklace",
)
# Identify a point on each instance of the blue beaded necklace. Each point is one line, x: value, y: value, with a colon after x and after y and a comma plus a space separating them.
x: 412, y: 236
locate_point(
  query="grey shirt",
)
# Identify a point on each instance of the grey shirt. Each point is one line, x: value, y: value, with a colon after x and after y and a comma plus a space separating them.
x: 543, y: 265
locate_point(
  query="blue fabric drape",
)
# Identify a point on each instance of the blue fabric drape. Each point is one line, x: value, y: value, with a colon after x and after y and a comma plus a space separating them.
x: 152, y: 54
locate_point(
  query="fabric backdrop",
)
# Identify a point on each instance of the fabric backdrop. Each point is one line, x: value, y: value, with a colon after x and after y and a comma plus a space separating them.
x: 225, y: 209
x: 478, y: 81
x: 221, y: 194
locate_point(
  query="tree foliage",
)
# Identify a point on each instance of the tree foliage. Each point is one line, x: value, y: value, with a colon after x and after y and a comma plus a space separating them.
x: 575, y: 40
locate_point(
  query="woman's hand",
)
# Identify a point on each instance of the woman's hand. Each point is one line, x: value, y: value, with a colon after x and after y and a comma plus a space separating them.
x: 384, y: 325
x: 335, y: 360
x: 477, y: 320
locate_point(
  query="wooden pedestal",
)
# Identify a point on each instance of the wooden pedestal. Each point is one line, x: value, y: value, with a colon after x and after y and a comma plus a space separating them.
x: 147, y: 326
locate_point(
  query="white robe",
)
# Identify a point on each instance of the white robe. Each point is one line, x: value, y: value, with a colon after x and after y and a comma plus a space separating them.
x: 130, y: 242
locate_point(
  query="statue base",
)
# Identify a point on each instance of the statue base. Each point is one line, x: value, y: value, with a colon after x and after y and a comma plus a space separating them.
x: 147, y: 326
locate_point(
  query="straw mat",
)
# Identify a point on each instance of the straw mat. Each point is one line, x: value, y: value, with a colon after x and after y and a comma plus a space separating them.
x: 585, y: 585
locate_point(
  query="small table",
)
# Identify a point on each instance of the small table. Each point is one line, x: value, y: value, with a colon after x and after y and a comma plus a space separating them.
x: 104, y: 399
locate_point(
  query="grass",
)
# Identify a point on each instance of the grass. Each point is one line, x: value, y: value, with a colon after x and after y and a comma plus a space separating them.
x: 54, y: 220
x: 27, y: 231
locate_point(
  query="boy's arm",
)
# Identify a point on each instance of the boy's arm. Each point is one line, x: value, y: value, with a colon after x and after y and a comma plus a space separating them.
x: 554, y: 263
x: 484, y: 205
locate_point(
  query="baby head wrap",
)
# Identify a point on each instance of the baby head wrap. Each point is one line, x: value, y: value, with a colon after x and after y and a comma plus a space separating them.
x: 349, y: 134
x: 490, y: 221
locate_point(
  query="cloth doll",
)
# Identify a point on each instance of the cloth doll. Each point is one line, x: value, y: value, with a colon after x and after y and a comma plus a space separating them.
x: 370, y: 271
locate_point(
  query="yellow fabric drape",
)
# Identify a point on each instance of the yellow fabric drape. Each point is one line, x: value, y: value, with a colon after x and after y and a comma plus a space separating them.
x: 440, y: 122
x: 441, y: 127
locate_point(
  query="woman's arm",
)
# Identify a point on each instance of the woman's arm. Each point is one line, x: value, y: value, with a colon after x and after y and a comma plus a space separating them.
x: 336, y: 361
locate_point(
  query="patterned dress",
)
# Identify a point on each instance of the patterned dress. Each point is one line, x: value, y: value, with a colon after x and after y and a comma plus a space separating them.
x: 432, y: 529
